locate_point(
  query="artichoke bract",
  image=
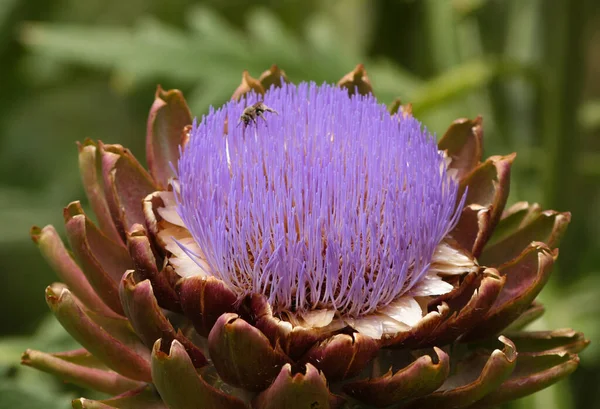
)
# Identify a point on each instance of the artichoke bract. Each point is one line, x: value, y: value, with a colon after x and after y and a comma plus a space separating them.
x: 303, y: 246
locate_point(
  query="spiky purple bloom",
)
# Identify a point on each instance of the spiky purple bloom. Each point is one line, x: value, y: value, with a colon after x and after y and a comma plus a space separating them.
x: 331, y: 203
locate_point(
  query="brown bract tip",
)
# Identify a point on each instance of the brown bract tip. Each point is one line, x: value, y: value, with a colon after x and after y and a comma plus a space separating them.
x: 356, y: 81
x: 273, y: 76
x: 248, y: 84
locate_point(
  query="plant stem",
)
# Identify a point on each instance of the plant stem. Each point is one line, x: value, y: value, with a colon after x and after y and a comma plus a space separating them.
x: 562, y: 74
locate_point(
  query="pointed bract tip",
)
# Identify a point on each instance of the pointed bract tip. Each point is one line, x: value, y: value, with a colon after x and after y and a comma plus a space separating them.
x: 394, y: 106
x: 356, y: 80
x: 78, y: 403
x: 274, y: 76
x: 86, y: 142
x: 248, y: 84
x: 55, y: 294
x: 136, y: 230
x: 72, y: 209
x: 35, y: 233
x: 25, y: 357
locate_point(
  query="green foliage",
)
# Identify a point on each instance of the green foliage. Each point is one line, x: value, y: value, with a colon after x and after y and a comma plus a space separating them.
x: 589, y: 115
x: 210, y: 54
x: 22, y: 387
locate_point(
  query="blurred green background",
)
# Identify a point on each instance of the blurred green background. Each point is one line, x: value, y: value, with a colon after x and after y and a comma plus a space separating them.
x: 73, y: 69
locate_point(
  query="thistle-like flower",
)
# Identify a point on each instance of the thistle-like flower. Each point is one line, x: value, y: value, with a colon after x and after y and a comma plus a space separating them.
x: 327, y: 253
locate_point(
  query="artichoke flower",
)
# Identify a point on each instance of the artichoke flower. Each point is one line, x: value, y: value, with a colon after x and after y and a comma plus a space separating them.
x: 302, y: 246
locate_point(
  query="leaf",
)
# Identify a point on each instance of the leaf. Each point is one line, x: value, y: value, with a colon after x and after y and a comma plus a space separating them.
x: 19, y: 395
x: 18, y: 206
x: 49, y: 337
x: 6, y: 8
x: 211, y: 52
x: 215, y: 30
x: 275, y: 41
x: 391, y: 81
x: 463, y: 79
x: 584, y: 294
x: 589, y: 115
x: 11, y: 349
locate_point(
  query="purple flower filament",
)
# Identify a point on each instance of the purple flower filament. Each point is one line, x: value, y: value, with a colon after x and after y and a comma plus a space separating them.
x: 332, y: 203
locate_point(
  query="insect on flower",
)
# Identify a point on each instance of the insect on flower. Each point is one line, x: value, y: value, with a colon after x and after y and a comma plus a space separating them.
x: 253, y: 112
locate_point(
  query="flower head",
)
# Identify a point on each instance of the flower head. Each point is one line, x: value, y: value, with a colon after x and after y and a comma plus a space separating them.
x: 333, y: 203
x: 266, y: 264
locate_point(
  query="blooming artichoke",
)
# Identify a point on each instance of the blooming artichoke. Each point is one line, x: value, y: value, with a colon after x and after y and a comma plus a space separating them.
x: 302, y: 247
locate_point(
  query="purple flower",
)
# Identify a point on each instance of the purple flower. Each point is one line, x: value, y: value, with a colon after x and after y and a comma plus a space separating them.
x: 332, y: 203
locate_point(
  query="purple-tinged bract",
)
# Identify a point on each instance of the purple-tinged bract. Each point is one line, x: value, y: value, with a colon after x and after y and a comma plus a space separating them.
x: 330, y: 203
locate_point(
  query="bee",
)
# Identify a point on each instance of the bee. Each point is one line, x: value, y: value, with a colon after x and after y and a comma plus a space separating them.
x: 253, y: 112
